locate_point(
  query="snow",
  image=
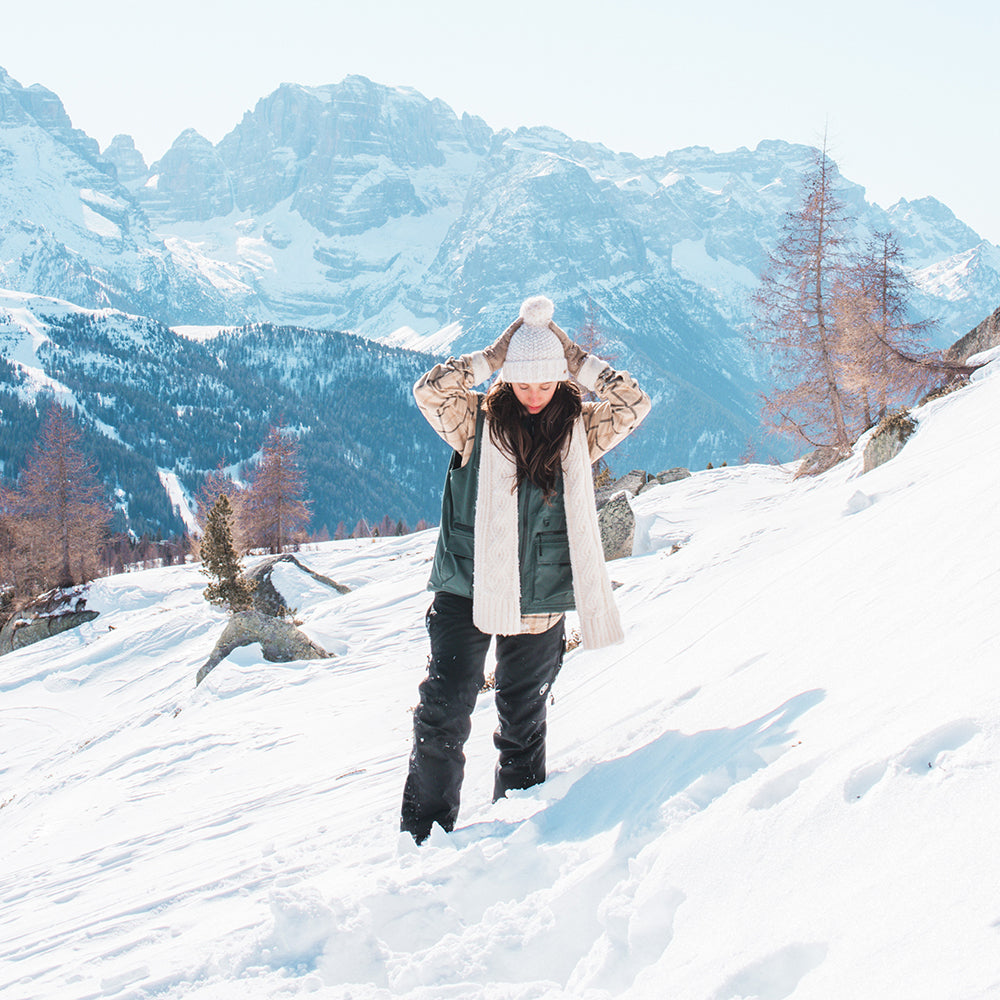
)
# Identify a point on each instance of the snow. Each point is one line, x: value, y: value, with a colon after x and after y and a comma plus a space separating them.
x: 944, y: 278
x: 100, y: 224
x: 433, y: 343
x: 201, y: 333
x: 180, y: 499
x: 729, y: 281
x: 783, y: 784
x: 22, y: 333
x: 194, y: 256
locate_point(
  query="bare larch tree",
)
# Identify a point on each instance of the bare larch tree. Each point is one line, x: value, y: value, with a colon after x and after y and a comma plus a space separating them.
x: 275, y: 512
x: 795, y: 321
x: 61, y: 505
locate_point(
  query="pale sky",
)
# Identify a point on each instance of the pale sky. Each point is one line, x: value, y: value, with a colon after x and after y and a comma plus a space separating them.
x: 908, y: 89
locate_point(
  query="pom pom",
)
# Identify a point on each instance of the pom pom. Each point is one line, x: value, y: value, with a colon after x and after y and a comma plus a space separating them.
x: 537, y: 311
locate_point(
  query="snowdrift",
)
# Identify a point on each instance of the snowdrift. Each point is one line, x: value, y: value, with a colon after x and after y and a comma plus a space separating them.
x: 782, y: 785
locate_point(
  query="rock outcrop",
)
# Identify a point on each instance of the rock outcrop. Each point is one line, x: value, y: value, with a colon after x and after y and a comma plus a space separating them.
x: 980, y: 338
x: 280, y: 641
x: 888, y: 440
x: 21, y: 631
x: 46, y: 615
x: 617, y: 524
x: 636, y: 481
x: 821, y: 460
x: 614, y: 513
x: 669, y: 476
x: 630, y: 483
x: 267, y: 599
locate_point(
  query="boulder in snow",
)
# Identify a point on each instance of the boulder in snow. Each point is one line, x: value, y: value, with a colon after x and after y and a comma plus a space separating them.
x: 888, y: 440
x: 22, y: 631
x: 267, y: 599
x: 631, y: 483
x: 821, y: 460
x: 279, y: 640
x: 669, y: 476
x: 617, y: 524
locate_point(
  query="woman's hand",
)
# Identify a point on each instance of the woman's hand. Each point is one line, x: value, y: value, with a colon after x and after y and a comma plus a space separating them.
x: 575, y: 355
x: 496, y: 353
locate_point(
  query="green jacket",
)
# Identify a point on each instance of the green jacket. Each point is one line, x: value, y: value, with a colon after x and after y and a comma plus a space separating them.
x: 543, y: 545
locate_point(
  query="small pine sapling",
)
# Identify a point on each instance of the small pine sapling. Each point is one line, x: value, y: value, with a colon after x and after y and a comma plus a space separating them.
x: 229, y: 587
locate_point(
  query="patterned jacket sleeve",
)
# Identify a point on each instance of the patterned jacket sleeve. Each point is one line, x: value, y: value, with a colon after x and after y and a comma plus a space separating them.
x: 621, y: 405
x: 446, y: 398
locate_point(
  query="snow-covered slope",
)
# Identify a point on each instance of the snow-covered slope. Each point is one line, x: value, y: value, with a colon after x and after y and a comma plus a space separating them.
x: 783, y: 784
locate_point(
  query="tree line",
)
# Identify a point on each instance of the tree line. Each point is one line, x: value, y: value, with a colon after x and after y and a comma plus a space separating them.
x: 57, y: 523
x: 831, y: 317
x: 185, y: 405
x: 52, y: 523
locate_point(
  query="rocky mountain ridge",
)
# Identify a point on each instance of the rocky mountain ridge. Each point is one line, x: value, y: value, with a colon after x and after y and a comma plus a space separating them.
x: 372, y: 209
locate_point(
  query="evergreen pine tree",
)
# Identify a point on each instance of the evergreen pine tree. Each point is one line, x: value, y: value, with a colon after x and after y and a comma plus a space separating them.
x: 229, y: 587
x: 219, y: 481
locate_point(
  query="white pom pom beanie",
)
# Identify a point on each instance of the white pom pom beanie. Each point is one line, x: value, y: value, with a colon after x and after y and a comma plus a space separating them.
x: 534, y: 353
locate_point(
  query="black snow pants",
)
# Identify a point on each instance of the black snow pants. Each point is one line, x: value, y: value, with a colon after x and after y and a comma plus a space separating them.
x: 525, y: 669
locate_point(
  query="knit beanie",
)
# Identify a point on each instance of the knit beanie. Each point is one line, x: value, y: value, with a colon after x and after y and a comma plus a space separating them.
x: 535, y: 353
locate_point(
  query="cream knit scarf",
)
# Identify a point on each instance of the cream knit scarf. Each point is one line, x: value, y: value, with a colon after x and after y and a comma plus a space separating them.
x: 496, y: 591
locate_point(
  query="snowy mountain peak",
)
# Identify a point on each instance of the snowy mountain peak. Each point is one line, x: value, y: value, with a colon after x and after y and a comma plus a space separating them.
x: 40, y: 107
x: 129, y: 162
x: 930, y: 229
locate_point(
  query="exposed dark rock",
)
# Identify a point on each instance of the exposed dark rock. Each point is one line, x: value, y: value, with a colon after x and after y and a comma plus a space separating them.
x: 617, y: 524
x: 980, y: 338
x: 267, y: 600
x: 888, y: 440
x: 673, y: 475
x: 21, y: 631
x: 631, y: 483
x: 821, y: 460
x: 280, y: 641
x: 670, y: 476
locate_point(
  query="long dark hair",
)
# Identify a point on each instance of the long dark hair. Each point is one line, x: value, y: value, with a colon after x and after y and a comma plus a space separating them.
x: 535, y: 448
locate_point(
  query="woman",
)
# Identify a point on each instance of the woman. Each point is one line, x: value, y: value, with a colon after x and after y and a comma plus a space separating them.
x: 518, y: 546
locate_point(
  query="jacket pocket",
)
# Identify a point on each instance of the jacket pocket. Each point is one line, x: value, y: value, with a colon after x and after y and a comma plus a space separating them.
x: 553, y: 583
x: 453, y: 558
x: 461, y: 541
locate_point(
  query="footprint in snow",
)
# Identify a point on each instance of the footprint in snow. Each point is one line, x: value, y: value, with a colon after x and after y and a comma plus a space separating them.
x: 919, y: 757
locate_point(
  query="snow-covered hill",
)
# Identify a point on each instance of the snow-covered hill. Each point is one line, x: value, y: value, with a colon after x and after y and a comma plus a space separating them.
x: 783, y: 784
x: 160, y: 408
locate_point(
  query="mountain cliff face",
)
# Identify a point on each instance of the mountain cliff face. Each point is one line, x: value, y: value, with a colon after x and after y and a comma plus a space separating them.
x: 71, y: 230
x: 372, y: 209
